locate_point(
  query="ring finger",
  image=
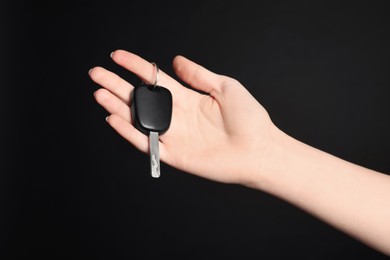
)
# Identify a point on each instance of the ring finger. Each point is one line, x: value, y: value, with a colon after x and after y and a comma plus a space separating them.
x: 113, y: 104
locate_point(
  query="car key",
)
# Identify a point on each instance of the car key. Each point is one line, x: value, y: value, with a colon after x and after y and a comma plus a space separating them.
x: 151, y: 110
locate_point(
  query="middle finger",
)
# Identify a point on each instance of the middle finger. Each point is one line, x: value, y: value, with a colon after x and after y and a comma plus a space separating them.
x: 112, y: 82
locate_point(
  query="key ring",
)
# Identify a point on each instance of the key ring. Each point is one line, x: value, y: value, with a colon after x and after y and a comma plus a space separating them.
x: 157, y: 70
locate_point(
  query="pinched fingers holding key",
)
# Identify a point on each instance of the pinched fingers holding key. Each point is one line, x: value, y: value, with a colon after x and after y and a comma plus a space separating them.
x: 144, y: 69
x: 148, y: 107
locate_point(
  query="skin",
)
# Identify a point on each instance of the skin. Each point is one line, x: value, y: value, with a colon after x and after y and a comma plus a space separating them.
x: 351, y: 198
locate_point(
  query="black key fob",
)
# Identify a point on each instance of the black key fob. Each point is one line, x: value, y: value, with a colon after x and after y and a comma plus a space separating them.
x: 151, y: 108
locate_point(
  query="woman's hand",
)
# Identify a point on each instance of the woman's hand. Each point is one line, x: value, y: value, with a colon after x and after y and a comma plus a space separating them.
x: 223, y: 135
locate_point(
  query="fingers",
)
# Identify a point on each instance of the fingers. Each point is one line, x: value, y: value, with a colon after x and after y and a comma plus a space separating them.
x: 127, y: 131
x: 115, y: 94
x: 113, y: 104
x: 144, y: 69
x: 112, y: 82
x: 197, y: 76
x: 133, y: 136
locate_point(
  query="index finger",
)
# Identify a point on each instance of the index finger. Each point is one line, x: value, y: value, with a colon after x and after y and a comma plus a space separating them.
x: 144, y: 69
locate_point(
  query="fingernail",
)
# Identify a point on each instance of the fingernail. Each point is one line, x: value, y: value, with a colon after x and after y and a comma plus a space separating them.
x: 107, y: 118
x: 111, y: 54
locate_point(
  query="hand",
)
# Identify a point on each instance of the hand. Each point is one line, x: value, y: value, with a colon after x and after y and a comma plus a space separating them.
x: 223, y: 136
x: 227, y: 136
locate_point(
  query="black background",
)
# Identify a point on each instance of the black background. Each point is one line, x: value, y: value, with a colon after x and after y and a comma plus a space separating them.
x: 71, y: 187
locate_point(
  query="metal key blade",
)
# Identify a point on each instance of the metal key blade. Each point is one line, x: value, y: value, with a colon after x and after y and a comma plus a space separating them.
x: 154, y: 154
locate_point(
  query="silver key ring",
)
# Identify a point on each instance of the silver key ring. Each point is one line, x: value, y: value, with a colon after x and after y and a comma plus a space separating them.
x: 157, y: 70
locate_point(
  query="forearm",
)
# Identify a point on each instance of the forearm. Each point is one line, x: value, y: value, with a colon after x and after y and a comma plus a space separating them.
x: 342, y: 194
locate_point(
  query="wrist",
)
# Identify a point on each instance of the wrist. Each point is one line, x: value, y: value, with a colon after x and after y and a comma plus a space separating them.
x: 281, y: 158
x: 267, y: 159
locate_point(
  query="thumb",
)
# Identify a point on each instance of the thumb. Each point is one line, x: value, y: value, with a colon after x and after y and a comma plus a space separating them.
x: 197, y: 76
